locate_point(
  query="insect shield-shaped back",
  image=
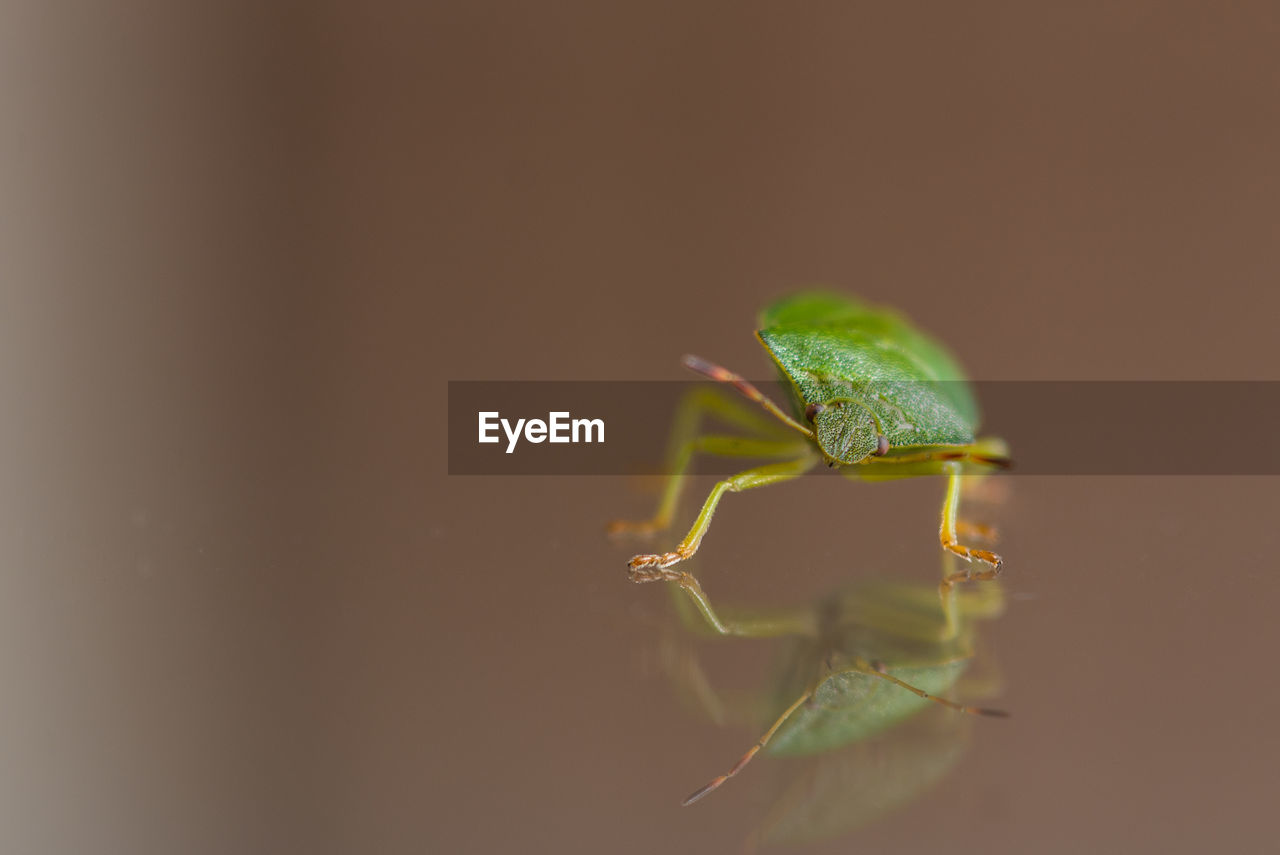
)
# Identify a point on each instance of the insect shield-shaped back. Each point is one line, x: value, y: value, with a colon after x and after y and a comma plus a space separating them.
x: 860, y: 389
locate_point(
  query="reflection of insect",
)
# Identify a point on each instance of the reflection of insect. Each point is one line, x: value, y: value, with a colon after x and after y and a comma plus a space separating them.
x: 833, y: 793
x: 871, y: 395
x: 863, y: 661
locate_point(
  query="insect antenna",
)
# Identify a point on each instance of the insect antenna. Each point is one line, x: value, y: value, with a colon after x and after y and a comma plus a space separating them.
x: 724, y: 375
x: 751, y: 752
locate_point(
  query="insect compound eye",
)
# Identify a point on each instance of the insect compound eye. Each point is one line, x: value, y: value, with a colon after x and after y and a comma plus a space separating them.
x: 882, y: 445
x: 811, y: 411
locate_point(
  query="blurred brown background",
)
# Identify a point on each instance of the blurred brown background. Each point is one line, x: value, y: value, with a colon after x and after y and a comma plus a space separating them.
x: 242, y: 607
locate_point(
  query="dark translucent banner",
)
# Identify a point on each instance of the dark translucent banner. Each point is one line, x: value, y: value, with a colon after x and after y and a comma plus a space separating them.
x: 1052, y: 428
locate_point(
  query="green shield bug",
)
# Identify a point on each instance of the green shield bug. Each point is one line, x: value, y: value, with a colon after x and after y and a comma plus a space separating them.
x: 861, y: 662
x: 871, y: 396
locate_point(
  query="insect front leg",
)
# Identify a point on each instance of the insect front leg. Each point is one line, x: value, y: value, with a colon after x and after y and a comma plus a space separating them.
x: 767, y: 439
x: 653, y: 568
x: 721, y: 445
x: 947, y: 534
x: 947, y: 531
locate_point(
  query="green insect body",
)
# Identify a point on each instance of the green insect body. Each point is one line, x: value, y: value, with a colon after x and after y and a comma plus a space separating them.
x: 861, y: 663
x: 860, y: 374
x: 871, y: 395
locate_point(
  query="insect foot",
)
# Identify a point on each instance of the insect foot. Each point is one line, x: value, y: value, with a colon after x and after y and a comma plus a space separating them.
x: 639, y: 575
x: 666, y: 559
x: 981, y: 554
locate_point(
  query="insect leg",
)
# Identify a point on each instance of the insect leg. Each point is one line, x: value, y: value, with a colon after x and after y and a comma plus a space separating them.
x: 947, y: 531
x: 751, y: 752
x: 947, y: 534
x: 685, y: 442
x: 721, y: 445
x: 652, y: 568
x: 864, y: 667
